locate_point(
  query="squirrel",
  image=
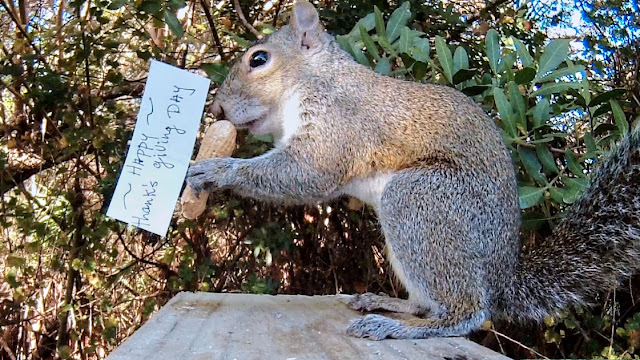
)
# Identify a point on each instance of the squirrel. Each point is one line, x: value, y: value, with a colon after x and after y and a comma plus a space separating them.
x: 435, y: 169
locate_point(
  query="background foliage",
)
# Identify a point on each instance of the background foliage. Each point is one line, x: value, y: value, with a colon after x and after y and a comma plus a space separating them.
x: 74, y: 284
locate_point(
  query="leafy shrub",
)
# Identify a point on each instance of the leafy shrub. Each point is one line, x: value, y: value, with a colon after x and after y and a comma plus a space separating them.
x: 554, y: 124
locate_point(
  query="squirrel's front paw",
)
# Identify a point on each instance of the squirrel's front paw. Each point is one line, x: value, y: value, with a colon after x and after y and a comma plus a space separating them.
x: 200, y: 174
x: 374, y: 327
x: 364, y: 302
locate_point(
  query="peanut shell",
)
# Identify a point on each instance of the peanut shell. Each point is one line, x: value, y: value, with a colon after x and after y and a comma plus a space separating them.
x: 218, y: 141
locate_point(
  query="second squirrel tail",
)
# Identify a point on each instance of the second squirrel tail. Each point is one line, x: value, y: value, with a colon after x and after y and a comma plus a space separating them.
x: 591, y: 249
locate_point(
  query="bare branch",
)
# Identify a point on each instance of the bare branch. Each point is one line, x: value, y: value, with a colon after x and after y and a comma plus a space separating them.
x: 212, y: 25
x: 21, y: 29
x: 236, y: 5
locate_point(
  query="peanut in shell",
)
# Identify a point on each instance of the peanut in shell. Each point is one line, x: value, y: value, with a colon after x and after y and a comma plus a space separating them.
x: 218, y: 141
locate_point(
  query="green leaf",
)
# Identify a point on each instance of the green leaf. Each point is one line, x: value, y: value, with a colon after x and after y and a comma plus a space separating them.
x: 525, y: 75
x: 559, y: 135
x: 518, y: 103
x: 619, y: 116
x: 531, y: 164
x: 176, y: 4
x: 386, y: 46
x: 574, y: 164
x: 573, y: 188
x: 420, y: 49
x: 533, y: 220
x: 557, y: 194
x: 529, y: 196
x: 383, y: 66
x: 475, y: 90
x: 555, y: 88
x: 379, y: 21
x: 422, y: 44
x: 554, y: 54
x: 444, y: 57
x: 541, y: 141
x: 369, y: 22
x: 405, y: 42
x: 604, y: 128
x: 605, y: 97
x: 523, y: 53
x: 460, y: 59
x: 506, y: 63
x: 585, y: 91
x: 217, y: 72
x: 541, y: 113
x: 343, y: 41
x: 419, y: 70
x: 370, y: 46
x: 76, y: 264
x: 117, y: 4
x: 242, y: 42
x: 398, y: 19
x: 463, y: 75
x: 604, y: 109
x: 151, y: 7
x: 17, y: 261
x: 590, y: 142
x: 546, y: 158
x: 578, y: 98
x: 569, y: 70
x: 493, y: 49
x: 173, y: 23
x: 359, y: 55
x: 506, y: 112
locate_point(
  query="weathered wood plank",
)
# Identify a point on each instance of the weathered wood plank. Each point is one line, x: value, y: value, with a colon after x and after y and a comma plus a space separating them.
x: 287, y: 327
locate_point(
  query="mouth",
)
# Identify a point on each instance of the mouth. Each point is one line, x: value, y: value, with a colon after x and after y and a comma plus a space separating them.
x: 251, y: 124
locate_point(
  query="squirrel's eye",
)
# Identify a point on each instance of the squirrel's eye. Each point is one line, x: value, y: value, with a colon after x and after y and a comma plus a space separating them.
x: 258, y: 58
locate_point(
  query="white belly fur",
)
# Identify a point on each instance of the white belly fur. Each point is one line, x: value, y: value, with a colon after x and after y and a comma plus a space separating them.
x: 368, y: 190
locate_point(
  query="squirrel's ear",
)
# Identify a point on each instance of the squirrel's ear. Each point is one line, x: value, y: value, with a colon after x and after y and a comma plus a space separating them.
x: 306, y: 24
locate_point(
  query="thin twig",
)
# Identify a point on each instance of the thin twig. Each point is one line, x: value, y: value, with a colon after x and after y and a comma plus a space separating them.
x: 533, y: 146
x: 142, y: 259
x: 497, y: 340
x: 275, y: 17
x: 76, y: 243
x: 518, y: 343
x: 236, y: 5
x: 7, y: 349
x: 87, y: 73
x: 214, y: 32
x: 22, y: 30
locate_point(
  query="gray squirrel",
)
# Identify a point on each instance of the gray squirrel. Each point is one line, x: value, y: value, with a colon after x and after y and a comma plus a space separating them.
x: 434, y: 168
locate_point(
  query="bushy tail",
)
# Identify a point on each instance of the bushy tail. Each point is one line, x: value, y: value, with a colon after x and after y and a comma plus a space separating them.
x: 595, y: 246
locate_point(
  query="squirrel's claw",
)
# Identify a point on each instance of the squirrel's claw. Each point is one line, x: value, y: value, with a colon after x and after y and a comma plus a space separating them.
x: 197, y: 175
x: 364, y: 302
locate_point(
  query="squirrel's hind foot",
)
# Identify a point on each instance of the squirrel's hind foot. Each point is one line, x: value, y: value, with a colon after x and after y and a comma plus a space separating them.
x: 378, y: 327
x: 374, y: 327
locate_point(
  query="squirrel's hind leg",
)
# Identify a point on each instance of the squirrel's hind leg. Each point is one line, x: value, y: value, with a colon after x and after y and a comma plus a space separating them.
x: 435, y: 244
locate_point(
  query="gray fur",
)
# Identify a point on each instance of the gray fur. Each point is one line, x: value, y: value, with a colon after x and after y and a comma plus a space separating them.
x: 449, y: 209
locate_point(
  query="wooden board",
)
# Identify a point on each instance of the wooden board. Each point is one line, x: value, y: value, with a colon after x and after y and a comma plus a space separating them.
x: 287, y: 327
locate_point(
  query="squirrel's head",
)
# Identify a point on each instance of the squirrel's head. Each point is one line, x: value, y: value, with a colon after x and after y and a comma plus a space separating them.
x: 261, y: 82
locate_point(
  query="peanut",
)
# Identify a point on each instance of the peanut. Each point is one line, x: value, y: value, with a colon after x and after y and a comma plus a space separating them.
x: 218, y: 141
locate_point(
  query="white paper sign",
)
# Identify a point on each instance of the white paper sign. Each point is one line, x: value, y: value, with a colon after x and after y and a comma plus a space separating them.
x: 160, y: 149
